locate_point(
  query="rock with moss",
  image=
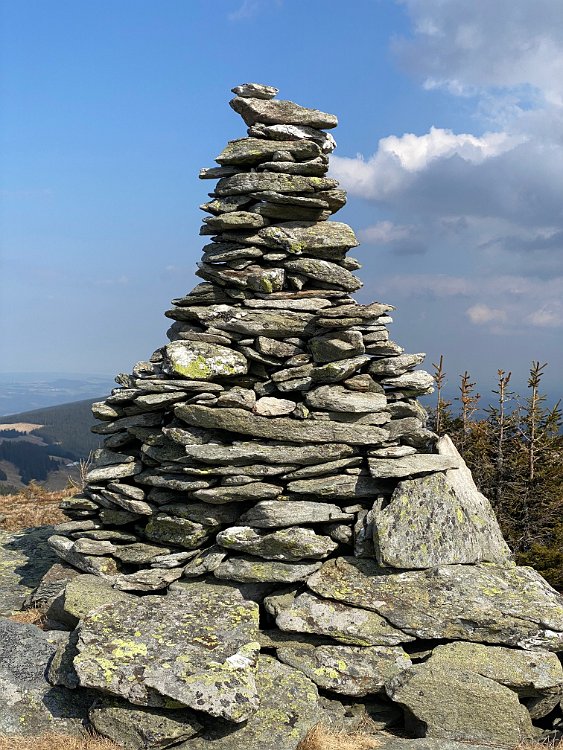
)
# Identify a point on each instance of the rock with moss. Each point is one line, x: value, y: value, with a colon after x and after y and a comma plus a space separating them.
x: 292, y: 544
x: 201, y: 361
x: 426, y: 524
x: 83, y: 594
x: 347, y: 670
x: 255, y: 150
x: 30, y: 706
x: 307, y: 613
x: 289, y: 707
x: 444, y: 702
x: 252, y: 569
x: 269, y: 514
x: 135, y: 728
x: 161, y: 652
x: 483, y: 603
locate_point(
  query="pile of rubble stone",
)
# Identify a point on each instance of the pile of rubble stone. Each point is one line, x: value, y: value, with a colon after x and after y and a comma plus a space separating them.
x: 274, y: 537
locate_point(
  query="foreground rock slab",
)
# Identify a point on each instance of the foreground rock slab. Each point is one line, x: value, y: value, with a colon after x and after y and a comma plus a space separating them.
x: 29, y: 705
x: 458, y: 705
x: 161, y: 648
x: 483, y: 603
x: 289, y: 707
x: 25, y: 557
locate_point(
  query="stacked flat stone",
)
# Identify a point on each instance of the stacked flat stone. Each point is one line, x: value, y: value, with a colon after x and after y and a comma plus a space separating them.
x: 277, y: 441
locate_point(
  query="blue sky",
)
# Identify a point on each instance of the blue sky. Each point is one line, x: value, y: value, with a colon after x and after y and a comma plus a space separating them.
x: 450, y: 144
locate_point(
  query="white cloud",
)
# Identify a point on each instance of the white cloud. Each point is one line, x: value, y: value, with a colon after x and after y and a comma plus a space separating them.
x: 481, y: 313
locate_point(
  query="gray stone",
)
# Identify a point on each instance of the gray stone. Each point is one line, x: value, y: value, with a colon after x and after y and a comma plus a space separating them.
x: 234, y: 220
x: 458, y: 705
x: 289, y: 707
x: 281, y: 112
x: 324, y: 271
x: 86, y: 593
x: 136, y: 728
x: 239, y: 494
x: 250, y: 569
x: 94, y: 547
x: 139, y: 553
x: 276, y: 514
x: 159, y: 649
x: 307, y: 613
x: 255, y: 91
x: 427, y: 524
x: 106, y: 567
x: 526, y: 672
x: 285, y: 544
x: 393, y: 451
x: 342, y: 487
x: 331, y: 467
x: 154, y: 579
x: 180, y: 532
x: 339, y: 398
x: 286, y: 132
x: 241, y: 453
x: 393, y: 366
x: 482, y: 603
x: 347, y: 670
x: 268, y: 406
x: 199, y: 360
x: 25, y: 557
x: 249, y: 182
x: 254, y: 150
x: 418, y: 383
x: 298, y: 237
x: 336, y: 345
x: 204, y: 513
x: 29, y: 705
x: 409, y: 465
x: 237, y: 396
x: 279, y: 428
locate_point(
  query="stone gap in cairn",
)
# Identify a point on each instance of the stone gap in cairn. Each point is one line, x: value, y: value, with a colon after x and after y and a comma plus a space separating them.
x: 268, y: 484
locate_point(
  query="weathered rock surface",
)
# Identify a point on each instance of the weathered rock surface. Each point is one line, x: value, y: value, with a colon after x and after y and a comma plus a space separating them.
x: 281, y: 112
x: 140, y: 728
x: 272, y: 514
x: 25, y: 557
x: 483, y: 603
x: 339, y: 398
x: 29, y: 705
x: 159, y: 649
x: 201, y: 361
x: 253, y: 570
x: 307, y: 613
x: 453, y: 704
x: 286, y: 544
x: 289, y: 707
x: 348, y: 670
x: 427, y: 524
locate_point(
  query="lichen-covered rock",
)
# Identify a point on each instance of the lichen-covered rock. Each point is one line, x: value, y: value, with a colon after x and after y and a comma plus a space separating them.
x: 160, y: 649
x: 254, y: 150
x: 280, y: 428
x: 250, y: 570
x: 325, y: 271
x: 307, y: 613
x: 289, y: 707
x: 88, y: 592
x: 242, y: 453
x: 338, y: 398
x: 285, y: 544
x: 281, y: 112
x: 449, y: 703
x: 199, y: 360
x: 25, y: 557
x: 527, y: 672
x: 483, y: 603
x: 427, y: 524
x: 277, y: 514
x: 137, y: 728
x: 153, y: 579
x: 106, y: 567
x: 336, y: 345
x: 401, y: 467
x: 348, y: 670
x: 29, y: 705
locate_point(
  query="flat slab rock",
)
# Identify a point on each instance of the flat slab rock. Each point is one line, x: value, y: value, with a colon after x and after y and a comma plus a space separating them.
x: 307, y: 613
x: 289, y: 707
x: 280, y: 428
x: 199, y: 360
x: 347, y: 670
x: 241, y: 453
x: 427, y: 524
x: 482, y: 603
x: 160, y: 649
x: 292, y: 544
x: 444, y: 702
x: 255, y: 570
x: 29, y: 705
x: 277, y: 514
x: 282, y: 112
x: 25, y: 557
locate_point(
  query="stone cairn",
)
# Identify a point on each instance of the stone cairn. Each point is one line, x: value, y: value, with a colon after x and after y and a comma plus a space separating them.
x: 270, y: 536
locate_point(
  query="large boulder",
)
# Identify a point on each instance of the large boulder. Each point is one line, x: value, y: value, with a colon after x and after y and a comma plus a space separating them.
x: 196, y: 647
x: 483, y: 603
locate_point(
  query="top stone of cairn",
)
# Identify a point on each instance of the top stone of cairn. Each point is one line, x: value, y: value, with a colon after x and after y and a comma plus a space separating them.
x: 253, y: 103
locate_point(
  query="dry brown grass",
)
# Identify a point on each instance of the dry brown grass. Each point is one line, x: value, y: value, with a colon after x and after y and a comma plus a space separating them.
x: 56, y: 742
x: 34, y: 506
x: 547, y: 745
x: 32, y: 616
x: 20, y: 426
x: 323, y: 738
